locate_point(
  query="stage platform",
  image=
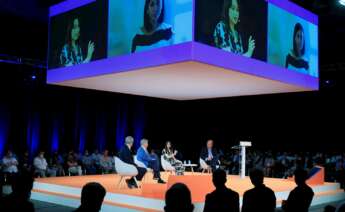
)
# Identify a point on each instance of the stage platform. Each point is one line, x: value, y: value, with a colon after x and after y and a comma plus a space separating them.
x: 150, y: 197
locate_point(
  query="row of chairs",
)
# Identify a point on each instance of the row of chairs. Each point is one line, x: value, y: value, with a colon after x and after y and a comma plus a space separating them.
x: 125, y: 170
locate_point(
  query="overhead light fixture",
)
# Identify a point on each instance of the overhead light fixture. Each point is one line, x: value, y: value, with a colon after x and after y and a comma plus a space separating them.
x: 342, y: 2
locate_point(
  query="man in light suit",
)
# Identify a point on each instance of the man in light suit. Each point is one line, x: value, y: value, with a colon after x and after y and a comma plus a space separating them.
x: 150, y: 160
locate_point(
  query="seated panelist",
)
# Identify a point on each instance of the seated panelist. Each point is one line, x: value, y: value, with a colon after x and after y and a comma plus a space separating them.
x: 125, y: 155
x: 210, y: 155
x: 150, y: 160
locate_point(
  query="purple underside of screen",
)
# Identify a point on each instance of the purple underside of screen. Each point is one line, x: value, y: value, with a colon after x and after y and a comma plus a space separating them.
x: 117, y: 64
x: 67, y: 5
x: 190, y: 51
x: 213, y: 56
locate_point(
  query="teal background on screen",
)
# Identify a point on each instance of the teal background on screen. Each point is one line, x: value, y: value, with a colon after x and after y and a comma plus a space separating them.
x: 280, y: 38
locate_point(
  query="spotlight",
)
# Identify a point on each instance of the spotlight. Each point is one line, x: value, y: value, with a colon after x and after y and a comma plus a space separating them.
x: 342, y: 2
x: 33, y: 77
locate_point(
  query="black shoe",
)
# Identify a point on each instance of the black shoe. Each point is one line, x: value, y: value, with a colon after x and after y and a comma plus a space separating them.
x: 134, y: 183
x: 129, y: 184
x: 160, y: 181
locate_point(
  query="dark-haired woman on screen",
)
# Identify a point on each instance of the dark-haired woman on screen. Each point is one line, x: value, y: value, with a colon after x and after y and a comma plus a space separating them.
x: 71, y: 53
x: 226, y: 36
x: 295, y: 59
x: 154, y: 33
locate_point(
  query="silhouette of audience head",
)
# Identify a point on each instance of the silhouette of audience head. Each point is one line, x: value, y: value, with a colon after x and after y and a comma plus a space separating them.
x: 178, y: 198
x: 92, y: 196
x: 219, y: 178
x: 256, y: 177
x: 329, y: 208
x: 301, y: 176
x: 22, y: 185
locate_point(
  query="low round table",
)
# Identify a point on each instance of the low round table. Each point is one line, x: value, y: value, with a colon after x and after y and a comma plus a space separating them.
x: 190, y: 165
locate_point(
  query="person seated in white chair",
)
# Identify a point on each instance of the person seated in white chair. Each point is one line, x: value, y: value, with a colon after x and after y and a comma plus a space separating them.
x: 125, y: 155
x: 210, y: 155
x: 106, y: 162
x: 40, y: 164
x: 169, y: 154
x: 150, y: 160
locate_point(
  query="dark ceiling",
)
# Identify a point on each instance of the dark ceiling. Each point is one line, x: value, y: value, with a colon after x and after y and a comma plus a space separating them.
x: 26, y: 31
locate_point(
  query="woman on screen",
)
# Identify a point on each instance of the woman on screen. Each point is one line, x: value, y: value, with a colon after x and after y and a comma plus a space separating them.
x: 155, y: 33
x: 295, y: 59
x: 71, y: 53
x: 226, y: 36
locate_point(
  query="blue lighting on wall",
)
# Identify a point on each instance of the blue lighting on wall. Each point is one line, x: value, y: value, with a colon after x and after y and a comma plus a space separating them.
x: 33, y: 133
x: 121, y: 125
x: 100, y: 132
x: 55, y: 137
x: 4, y: 122
x: 139, y: 123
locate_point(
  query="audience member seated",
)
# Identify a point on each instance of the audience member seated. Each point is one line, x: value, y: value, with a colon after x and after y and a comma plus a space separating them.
x: 96, y: 157
x: 25, y: 162
x: 125, y: 155
x: 72, y: 165
x: 9, y: 166
x: 169, y: 154
x: 301, y: 197
x: 259, y: 198
x: 19, y: 199
x: 92, y: 196
x: 88, y: 163
x: 178, y: 199
x: 210, y: 155
x: 40, y: 165
x: 150, y: 160
x: 223, y: 198
x: 56, y: 162
x: 106, y: 163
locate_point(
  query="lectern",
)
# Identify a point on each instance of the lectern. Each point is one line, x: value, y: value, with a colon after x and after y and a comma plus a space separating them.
x: 243, y: 145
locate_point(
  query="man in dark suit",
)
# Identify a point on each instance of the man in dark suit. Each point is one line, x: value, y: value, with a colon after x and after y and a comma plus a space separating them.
x: 126, y: 156
x: 210, y: 155
x: 223, y: 198
x: 259, y: 198
x: 301, y: 197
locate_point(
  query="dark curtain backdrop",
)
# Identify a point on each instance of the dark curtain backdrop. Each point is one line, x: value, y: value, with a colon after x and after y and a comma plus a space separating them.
x: 35, y: 116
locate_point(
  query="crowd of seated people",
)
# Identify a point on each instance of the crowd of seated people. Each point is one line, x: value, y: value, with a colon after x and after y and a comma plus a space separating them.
x: 273, y: 164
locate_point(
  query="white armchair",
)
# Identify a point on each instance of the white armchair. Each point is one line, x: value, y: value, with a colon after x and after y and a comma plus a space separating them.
x: 142, y: 165
x: 204, y: 166
x: 139, y: 163
x: 124, y: 170
x: 166, y: 165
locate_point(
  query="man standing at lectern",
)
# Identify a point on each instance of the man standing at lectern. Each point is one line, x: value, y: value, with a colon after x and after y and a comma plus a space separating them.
x: 210, y: 155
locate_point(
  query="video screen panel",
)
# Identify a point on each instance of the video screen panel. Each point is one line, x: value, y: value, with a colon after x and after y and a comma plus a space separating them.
x: 292, y: 42
x: 236, y: 26
x: 141, y: 25
x: 78, y: 36
x: 260, y: 31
